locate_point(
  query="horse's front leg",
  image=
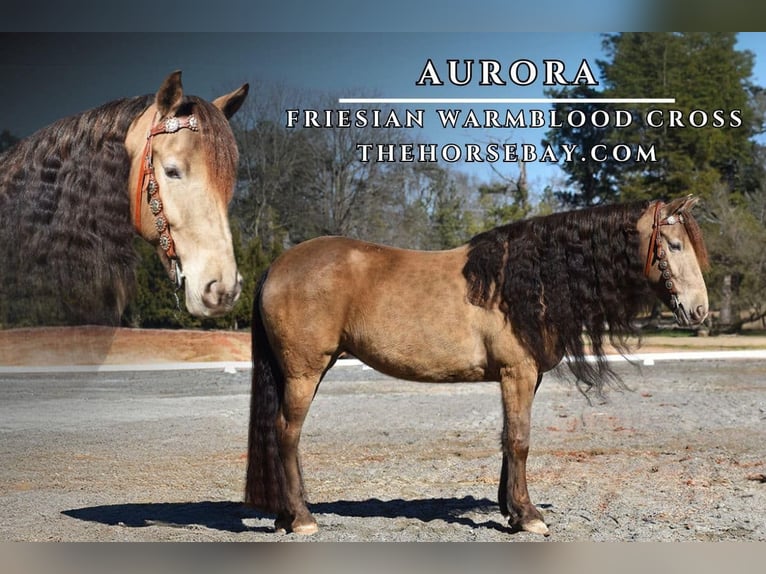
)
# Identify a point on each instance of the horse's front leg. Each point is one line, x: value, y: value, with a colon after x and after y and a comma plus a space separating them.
x: 518, y: 385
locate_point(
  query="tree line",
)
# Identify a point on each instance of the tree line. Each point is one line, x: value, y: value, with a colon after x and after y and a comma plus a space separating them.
x: 296, y: 183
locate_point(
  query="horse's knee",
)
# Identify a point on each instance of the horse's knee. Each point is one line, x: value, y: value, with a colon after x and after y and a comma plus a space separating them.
x: 520, y: 449
x: 516, y: 445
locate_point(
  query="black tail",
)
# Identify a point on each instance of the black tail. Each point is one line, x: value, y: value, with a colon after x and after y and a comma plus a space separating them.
x: 265, y: 486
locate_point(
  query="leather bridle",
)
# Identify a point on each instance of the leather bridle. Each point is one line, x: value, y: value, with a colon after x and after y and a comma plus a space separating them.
x: 656, y: 253
x: 148, y: 183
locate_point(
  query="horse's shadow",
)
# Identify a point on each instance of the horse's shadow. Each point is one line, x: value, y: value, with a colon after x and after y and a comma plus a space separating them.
x: 231, y: 516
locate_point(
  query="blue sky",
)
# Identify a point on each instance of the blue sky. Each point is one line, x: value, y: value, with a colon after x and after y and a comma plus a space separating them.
x: 49, y: 76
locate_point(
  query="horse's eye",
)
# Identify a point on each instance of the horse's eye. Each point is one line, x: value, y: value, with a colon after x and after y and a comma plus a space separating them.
x: 675, y: 246
x: 172, y: 172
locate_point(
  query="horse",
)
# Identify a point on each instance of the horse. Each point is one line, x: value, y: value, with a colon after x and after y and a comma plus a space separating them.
x: 507, y: 306
x: 74, y: 194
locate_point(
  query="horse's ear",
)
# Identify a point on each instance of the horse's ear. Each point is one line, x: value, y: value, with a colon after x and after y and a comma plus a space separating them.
x: 170, y: 94
x: 681, y: 204
x: 230, y: 103
x: 691, y: 201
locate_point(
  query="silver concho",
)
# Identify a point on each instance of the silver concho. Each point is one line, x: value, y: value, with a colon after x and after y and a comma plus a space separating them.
x: 165, y: 241
x: 668, y: 285
x: 152, y: 187
x: 671, y: 220
x: 193, y: 123
x: 155, y: 205
x: 172, y: 125
x: 160, y: 223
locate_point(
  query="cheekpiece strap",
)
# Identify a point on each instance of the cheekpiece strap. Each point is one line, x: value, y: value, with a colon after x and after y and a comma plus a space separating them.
x: 148, y: 183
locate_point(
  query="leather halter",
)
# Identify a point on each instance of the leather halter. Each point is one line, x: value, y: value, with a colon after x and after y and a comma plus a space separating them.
x: 657, y: 253
x: 147, y: 182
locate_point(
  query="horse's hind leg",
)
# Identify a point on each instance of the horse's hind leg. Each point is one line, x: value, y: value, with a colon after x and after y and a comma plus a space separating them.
x: 518, y: 389
x: 299, y: 392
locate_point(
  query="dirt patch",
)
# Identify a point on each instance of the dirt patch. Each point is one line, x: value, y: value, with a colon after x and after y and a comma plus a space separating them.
x: 90, y: 345
x: 160, y: 455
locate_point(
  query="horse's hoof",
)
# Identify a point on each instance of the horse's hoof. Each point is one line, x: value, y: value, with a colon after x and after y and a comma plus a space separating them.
x: 286, y: 526
x: 536, y: 527
x: 281, y: 526
x: 305, y: 529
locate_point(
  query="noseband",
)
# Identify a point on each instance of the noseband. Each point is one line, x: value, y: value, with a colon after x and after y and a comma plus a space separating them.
x: 147, y: 182
x: 657, y: 253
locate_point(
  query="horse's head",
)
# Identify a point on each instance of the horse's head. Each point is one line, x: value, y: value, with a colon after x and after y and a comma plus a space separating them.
x: 675, y: 254
x: 183, y: 169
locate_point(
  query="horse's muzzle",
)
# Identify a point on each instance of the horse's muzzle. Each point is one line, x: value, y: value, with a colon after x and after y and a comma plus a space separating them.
x: 219, y: 298
x: 686, y: 318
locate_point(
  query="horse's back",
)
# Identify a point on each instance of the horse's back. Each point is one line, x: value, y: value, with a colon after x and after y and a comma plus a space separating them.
x: 403, y: 312
x: 342, y: 276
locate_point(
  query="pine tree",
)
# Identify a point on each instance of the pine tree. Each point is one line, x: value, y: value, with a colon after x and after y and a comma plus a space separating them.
x: 591, y: 182
x: 703, y: 71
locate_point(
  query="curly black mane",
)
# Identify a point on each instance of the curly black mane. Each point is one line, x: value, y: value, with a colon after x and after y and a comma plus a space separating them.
x: 66, y: 237
x: 65, y: 232
x: 562, y: 275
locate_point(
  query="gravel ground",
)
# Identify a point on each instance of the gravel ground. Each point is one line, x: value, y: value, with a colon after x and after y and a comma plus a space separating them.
x: 160, y: 456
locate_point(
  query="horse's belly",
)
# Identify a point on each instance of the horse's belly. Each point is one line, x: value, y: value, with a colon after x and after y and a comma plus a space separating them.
x: 421, y: 351
x: 418, y: 366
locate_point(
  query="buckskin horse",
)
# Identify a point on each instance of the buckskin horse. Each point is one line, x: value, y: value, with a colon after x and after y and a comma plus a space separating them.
x: 73, y: 194
x: 507, y: 306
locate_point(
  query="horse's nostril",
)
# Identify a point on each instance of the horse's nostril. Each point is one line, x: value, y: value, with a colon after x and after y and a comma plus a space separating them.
x: 212, y: 294
x: 701, y: 312
x: 216, y: 294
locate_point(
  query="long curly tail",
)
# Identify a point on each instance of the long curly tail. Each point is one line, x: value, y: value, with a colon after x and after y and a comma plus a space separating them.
x: 266, y: 485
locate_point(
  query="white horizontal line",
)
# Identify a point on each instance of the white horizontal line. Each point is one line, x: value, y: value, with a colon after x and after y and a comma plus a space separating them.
x: 645, y: 358
x: 690, y: 356
x: 506, y: 100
